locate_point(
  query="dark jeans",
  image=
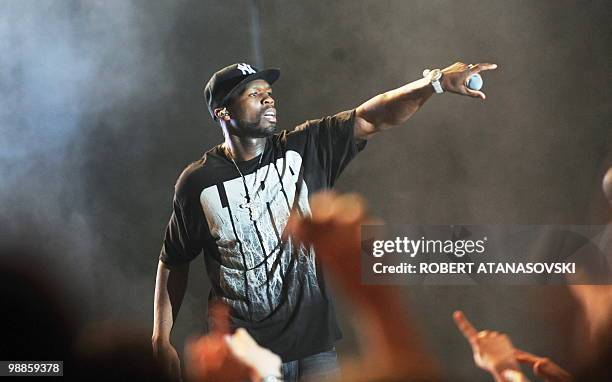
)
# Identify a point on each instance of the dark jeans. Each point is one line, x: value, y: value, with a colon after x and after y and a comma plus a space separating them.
x: 319, y: 367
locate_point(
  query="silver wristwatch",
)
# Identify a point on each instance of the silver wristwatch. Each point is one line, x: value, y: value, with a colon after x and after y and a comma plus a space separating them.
x: 434, y: 77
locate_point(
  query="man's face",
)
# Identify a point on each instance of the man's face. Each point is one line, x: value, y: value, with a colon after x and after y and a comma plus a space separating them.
x: 252, y: 111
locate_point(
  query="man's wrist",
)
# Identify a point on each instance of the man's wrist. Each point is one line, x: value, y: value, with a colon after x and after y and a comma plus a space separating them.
x: 435, y: 79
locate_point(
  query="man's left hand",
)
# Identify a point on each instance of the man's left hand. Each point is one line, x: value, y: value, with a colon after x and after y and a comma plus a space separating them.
x: 455, y: 78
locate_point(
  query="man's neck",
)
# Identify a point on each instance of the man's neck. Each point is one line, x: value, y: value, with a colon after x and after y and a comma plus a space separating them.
x: 244, y: 148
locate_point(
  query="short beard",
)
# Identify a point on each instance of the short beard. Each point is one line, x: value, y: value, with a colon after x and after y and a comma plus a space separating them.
x: 252, y: 129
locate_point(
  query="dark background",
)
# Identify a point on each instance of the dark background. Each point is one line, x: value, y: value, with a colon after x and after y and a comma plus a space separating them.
x: 102, y: 106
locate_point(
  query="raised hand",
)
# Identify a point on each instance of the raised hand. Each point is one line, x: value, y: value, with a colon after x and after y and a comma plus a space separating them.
x: 456, y: 76
x: 391, y: 345
x: 263, y: 362
x: 220, y: 356
x: 543, y: 367
x: 492, y: 351
x: 334, y: 229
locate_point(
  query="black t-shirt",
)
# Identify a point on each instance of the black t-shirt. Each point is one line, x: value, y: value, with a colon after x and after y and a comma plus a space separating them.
x: 275, y: 288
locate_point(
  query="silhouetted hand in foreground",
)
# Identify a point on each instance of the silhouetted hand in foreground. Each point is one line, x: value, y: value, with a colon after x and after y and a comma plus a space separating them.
x: 220, y: 356
x: 543, y: 367
x: 492, y: 351
x: 334, y: 229
x: 392, y: 346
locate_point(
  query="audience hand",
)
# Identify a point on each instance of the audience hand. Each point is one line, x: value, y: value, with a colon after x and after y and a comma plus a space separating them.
x: 543, y: 367
x: 220, y: 356
x: 493, y: 351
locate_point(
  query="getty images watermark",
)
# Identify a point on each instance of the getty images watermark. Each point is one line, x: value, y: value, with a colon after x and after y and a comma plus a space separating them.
x: 450, y: 255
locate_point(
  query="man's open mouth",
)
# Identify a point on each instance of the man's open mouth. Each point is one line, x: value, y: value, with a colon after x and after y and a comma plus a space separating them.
x: 270, y: 114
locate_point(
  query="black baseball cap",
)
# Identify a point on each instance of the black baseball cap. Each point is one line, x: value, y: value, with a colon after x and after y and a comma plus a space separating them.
x: 230, y: 80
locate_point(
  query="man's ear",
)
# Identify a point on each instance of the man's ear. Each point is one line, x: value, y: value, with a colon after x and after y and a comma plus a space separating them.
x: 222, y: 114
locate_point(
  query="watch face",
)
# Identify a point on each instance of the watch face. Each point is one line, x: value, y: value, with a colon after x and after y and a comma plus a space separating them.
x: 435, y: 74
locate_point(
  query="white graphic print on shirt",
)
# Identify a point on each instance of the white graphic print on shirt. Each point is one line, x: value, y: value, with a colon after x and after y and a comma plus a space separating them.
x: 249, y: 236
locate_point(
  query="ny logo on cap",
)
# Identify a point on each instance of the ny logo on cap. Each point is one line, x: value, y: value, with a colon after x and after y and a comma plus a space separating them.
x: 246, y: 69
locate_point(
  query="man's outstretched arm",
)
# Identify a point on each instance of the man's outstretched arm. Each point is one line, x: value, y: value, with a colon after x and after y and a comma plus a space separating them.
x: 396, y: 106
x: 170, y: 286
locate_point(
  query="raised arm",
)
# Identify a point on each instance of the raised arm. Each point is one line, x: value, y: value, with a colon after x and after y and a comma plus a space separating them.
x: 391, y: 343
x: 170, y: 288
x: 396, y: 106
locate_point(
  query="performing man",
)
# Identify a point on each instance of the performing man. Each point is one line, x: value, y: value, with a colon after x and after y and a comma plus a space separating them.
x: 232, y: 205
